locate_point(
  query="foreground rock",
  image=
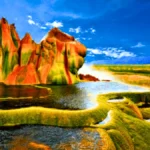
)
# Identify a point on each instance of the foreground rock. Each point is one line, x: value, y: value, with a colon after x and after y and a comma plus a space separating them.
x: 55, y: 60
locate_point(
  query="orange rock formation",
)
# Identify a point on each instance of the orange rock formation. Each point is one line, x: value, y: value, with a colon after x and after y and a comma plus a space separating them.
x: 55, y: 60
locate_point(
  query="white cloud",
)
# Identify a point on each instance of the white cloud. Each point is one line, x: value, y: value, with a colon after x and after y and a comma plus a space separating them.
x: 91, y: 55
x: 31, y: 22
x: 79, y: 30
x: 92, y: 30
x: 138, y: 45
x: 42, y: 27
x: 51, y: 24
x: 95, y: 51
x: 111, y: 52
x: 82, y: 38
x: 30, y: 17
x: 76, y: 30
x: 56, y: 24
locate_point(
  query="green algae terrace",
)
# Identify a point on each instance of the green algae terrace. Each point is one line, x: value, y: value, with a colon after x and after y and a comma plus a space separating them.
x: 125, y: 128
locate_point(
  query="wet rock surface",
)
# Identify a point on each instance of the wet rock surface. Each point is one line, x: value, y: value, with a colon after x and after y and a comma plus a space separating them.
x: 88, y: 77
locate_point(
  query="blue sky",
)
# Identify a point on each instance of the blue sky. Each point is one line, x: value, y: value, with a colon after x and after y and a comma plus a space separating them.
x: 114, y: 31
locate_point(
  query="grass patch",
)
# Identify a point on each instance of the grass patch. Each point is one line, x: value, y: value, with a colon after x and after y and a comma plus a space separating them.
x: 72, y: 118
x: 128, y: 132
x: 55, y: 117
x: 132, y: 74
x: 124, y: 68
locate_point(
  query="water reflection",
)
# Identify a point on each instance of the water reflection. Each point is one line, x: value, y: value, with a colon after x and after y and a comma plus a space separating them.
x: 73, y: 97
x: 50, y: 96
x: 115, y: 100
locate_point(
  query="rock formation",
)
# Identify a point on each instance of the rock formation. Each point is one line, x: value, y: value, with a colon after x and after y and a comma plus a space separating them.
x: 55, y: 60
x: 88, y: 77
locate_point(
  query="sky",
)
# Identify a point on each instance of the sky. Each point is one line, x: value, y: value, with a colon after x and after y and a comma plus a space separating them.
x: 114, y: 31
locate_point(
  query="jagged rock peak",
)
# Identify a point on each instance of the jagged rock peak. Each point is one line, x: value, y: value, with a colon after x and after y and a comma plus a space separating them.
x: 27, y: 38
x: 55, y: 32
x: 3, y: 20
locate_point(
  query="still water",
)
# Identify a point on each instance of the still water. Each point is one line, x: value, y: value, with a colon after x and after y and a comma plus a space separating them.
x: 73, y: 97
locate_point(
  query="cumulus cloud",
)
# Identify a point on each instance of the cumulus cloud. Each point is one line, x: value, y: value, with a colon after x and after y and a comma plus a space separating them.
x: 111, y: 52
x: 75, y: 30
x: 56, y: 24
x: 138, y: 45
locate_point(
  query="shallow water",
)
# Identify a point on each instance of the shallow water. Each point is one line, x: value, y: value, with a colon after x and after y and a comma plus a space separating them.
x: 78, y: 96
x: 54, y: 137
x: 73, y: 97
x: 115, y: 100
x: 106, y: 120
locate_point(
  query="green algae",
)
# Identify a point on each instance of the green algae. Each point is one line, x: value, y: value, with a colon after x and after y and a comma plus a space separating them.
x: 124, y: 130
x: 73, y: 118
x: 127, y: 132
x: 121, y: 143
